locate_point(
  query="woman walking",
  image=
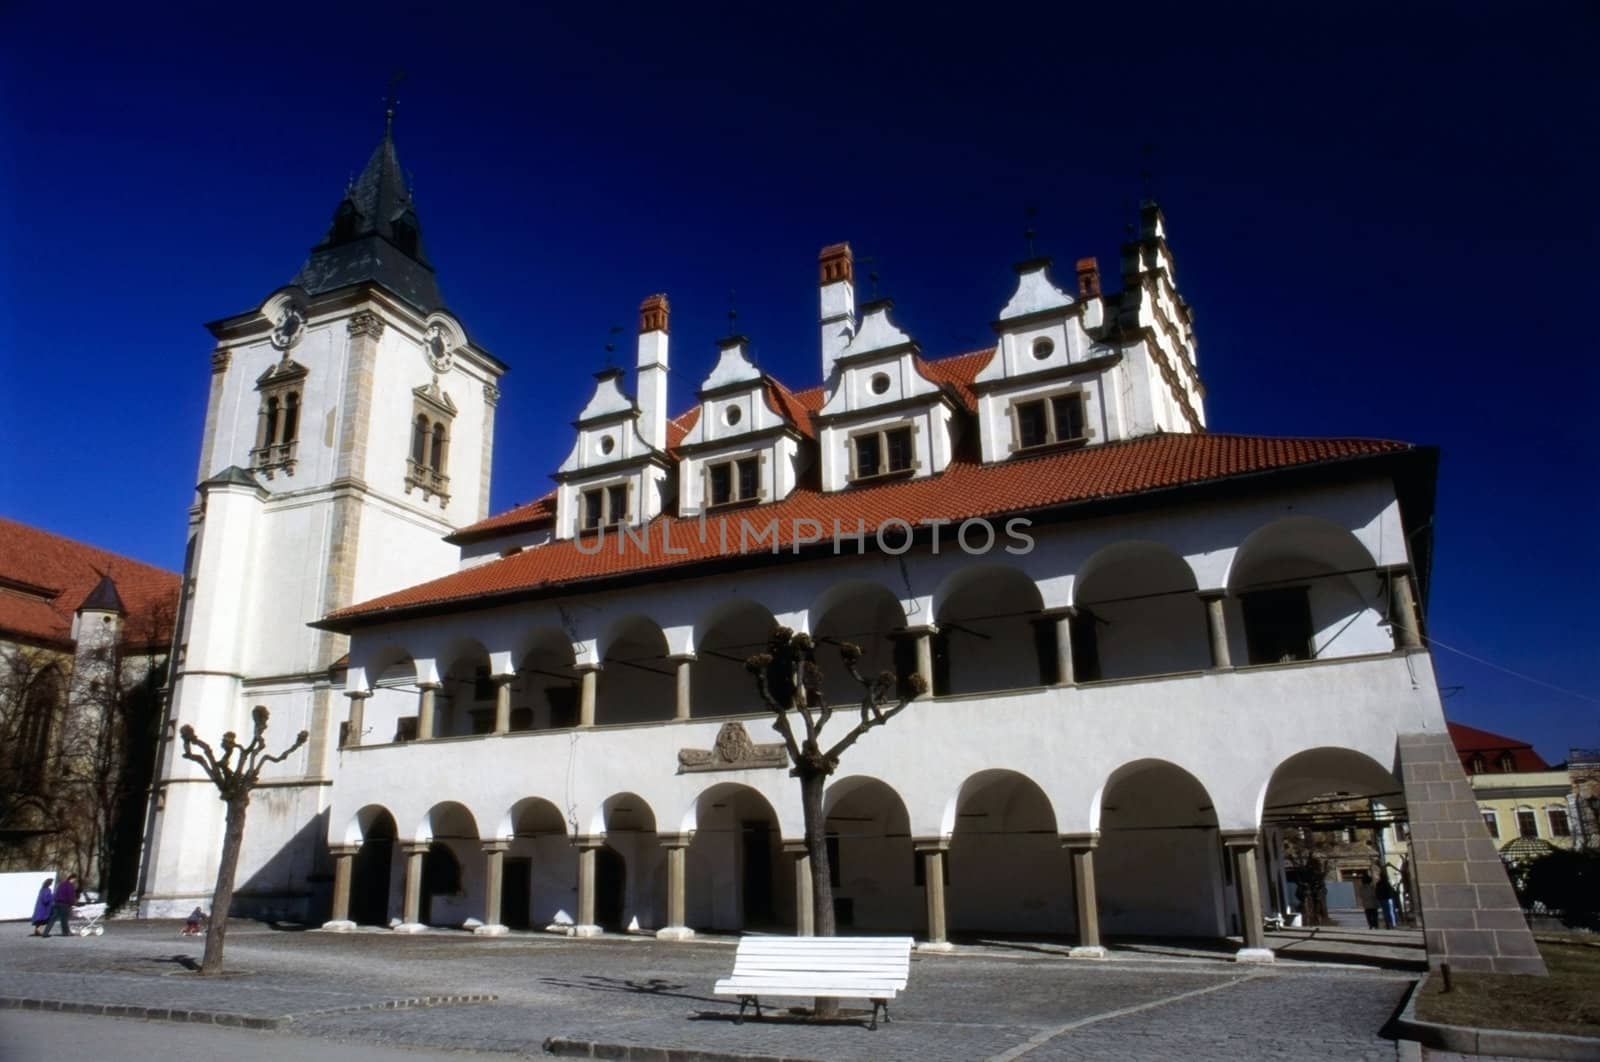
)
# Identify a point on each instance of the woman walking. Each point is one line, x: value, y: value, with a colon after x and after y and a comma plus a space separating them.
x: 42, y: 906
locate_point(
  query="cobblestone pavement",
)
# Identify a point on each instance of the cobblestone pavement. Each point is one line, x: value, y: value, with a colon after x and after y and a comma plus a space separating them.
x: 998, y: 1003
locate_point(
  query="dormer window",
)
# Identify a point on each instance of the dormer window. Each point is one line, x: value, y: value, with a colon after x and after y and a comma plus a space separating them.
x: 730, y: 482
x: 1049, y: 421
x: 882, y: 452
x: 604, y: 507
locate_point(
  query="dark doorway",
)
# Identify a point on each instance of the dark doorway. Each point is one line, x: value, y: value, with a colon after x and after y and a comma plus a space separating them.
x: 516, y: 893
x: 441, y: 875
x: 369, y: 881
x: 610, y: 886
x: 757, y: 837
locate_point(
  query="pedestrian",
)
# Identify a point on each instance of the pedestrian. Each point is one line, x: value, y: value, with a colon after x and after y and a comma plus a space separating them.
x: 1385, y: 893
x: 43, y: 905
x: 65, y: 898
x: 191, y: 928
x: 1367, y: 899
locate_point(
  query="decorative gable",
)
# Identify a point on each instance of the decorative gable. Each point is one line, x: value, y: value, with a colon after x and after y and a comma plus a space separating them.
x: 611, y: 462
x: 741, y: 449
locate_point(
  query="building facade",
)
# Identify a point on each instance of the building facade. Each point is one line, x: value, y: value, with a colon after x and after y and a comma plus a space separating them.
x: 1140, y: 639
x: 84, y: 638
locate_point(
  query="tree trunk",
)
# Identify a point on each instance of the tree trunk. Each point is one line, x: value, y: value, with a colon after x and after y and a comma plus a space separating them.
x: 222, y: 898
x: 811, y: 785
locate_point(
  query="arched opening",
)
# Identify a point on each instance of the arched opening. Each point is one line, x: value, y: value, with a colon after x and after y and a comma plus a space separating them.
x: 390, y: 714
x: 452, y: 869
x: 464, y: 703
x: 1007, y: 870
x: 291, y: 416
x: 1138, y: 614
x: 1303, y: 588
x: 540, y: 872
x: 545, y: 694
x: 1160, y: 869
x: 637, y: 683
x: 734, y: 878
x: 436, y: 454
x: 1327, y: 815
x: 419, y: 440
x: 718, y: 682
x: 373, y: 875
x: 869, y: 616
x: 990, y: 637
x: 873, y: 866
x: 623, y: 879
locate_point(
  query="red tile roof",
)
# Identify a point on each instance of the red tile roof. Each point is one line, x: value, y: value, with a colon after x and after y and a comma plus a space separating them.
x: 966, y: 490
x: 45, y: 577
x: 1470, y: 743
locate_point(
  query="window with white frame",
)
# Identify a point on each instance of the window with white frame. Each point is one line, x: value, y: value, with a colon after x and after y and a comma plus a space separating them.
x: 1527, y: 823
x: 278, y: 419
x: 1559, y: 827
x: 730, y: 482
x: 1492, y: 821
x: 882, y: 452
x: 1048, y: 421
x: 604, y: 506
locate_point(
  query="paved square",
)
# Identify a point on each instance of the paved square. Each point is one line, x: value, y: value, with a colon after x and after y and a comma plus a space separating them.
x: 999, y: 1003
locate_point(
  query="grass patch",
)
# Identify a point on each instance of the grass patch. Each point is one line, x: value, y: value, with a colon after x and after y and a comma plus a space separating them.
x: 1568, y: 1001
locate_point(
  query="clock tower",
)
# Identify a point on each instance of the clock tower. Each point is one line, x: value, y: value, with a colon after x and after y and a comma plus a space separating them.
x: 348, y: 429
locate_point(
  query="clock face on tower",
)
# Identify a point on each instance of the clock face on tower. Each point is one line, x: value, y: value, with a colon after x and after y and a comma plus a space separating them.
x: 437, y: 349
x: 291, y: 325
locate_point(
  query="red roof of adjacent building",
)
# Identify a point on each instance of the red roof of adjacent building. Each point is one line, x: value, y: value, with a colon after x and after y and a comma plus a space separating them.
x: 966, y: 490
x: 1473, y: 744
x: 44, y: 578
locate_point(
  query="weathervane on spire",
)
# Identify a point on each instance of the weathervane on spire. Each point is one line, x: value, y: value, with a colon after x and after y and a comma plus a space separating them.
x: 611, y: 346
x: 391, y: 101
x: 1029, y: 212
x: 733, y: 315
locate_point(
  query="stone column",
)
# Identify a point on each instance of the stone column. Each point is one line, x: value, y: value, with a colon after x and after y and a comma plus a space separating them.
x: 924, y: 639
x: 587, y: 847
x: 677, y: 845
x: 356, y: 719
x: 344, y: 857
x: 1060, y: 619
x: 414, y: 851
x: 502, y: 703
x: 1241, y: 845
x: 805, y: 908
x: 1082, y: 846
x: 681, y: 662
x: 1217, y: 629
x: 494, y: 854
x: 588, y: 679
x: 932, y: 850
x: 1403, y: 610
x: 425, y: 709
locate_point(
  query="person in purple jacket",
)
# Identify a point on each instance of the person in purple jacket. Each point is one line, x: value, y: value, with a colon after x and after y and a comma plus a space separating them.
x: 65, y: 898
x: 43, y: 905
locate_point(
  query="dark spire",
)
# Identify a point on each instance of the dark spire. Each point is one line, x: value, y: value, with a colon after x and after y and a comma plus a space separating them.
x: 375, y: 235
x: 103, y: 598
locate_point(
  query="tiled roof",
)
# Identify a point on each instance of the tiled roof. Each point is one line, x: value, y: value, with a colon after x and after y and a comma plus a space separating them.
x: 966, y: 490
x: 1470, y: 741
x: 44, y: 578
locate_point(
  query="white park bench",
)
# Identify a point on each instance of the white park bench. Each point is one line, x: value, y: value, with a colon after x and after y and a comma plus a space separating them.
x: 874, y: 968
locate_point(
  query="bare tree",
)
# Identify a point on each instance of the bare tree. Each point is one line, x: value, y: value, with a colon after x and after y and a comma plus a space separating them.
x: 789, y: 680
x: 234, y: 774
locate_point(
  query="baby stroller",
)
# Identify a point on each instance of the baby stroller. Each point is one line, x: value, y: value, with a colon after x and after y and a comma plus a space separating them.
x: 88, y: 916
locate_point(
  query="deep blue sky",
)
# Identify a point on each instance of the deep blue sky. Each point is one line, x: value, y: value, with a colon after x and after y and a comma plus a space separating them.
x: 1384, y: 220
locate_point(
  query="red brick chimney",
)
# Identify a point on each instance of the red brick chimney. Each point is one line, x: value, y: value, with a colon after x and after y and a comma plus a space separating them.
x: 653, y: 314
x: 1088, y: 278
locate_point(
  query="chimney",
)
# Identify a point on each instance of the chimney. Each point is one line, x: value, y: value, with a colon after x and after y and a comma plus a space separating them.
x: 837, y: 267
x: 1088, y: 278
x: 653, y: 314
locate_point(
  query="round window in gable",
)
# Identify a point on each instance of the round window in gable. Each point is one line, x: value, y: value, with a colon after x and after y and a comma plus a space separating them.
x: 732, y: 415
x: 879, y: 383
x: 1043, y: 347
x: 607, y: 444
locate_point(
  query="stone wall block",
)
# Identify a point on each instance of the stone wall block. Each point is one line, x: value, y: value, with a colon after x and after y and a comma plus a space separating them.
x: 1470, y: 942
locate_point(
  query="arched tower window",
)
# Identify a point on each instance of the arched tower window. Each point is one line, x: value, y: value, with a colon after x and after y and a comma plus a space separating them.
x: 278, y: 430
x: 426, y: 468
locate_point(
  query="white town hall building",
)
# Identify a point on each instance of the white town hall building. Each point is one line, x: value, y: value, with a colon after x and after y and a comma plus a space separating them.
x: 1139, y: 636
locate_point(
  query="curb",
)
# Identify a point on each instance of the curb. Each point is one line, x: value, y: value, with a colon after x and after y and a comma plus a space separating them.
x: 1470, y: 1040
x: 238, y: 1021
x: 566, y: 1048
